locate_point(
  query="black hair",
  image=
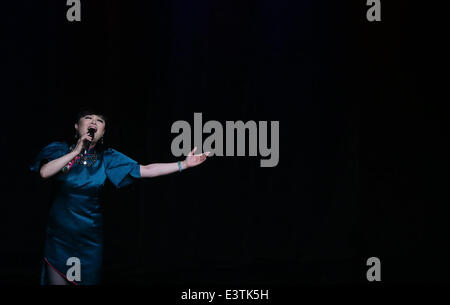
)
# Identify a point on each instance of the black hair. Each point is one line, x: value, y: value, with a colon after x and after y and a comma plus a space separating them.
x: 90, y: 111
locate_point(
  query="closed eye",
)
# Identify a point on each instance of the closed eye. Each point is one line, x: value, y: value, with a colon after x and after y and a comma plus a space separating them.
x: 89, y: 117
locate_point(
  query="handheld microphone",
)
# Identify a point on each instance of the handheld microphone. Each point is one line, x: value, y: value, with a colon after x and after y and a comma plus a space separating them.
x: 91, y: 132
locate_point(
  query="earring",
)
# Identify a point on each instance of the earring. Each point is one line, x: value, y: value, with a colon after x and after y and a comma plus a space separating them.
x: 76, y: 135
x: 101, y: 141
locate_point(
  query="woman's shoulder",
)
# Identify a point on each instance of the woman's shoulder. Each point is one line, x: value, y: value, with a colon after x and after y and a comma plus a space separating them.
x: 112, y: 153
x: 50, y: 152
x: 109, y: 153
x: 57, y: 145
x: 113, y: 156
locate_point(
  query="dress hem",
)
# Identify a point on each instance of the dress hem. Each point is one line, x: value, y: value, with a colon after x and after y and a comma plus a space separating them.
x: 72, y: 282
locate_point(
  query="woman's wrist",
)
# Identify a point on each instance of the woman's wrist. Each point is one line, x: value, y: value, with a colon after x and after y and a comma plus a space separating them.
x: 73, y: 153
x: 183, y: 165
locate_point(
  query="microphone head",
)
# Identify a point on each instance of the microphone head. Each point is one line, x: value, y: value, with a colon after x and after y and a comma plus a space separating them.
x: 91, y: 131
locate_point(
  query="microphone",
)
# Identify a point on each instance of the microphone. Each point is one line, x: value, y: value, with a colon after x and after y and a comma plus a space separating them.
x: 91, y: 132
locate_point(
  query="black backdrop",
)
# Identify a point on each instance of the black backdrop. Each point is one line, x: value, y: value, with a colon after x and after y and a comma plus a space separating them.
x: 358, y: 142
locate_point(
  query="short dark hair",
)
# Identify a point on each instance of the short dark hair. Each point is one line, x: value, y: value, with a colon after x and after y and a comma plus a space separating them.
x: 90, y: 111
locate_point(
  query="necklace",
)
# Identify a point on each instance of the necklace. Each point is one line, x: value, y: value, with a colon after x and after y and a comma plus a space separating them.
x: 88, y: 159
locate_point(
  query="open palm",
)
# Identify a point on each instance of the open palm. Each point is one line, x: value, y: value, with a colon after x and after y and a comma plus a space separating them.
x: 194, y: 160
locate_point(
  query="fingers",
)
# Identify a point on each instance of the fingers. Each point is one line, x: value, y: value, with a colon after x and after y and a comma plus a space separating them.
x: 197, y: 159
x: 193, y: 151
x: 86, y: 137
x: 201, y: 157
x: 205, y: 154
x: 194, y: 160
x: 81, y: 141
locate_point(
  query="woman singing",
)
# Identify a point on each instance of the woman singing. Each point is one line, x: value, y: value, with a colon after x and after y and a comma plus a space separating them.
x: 74, y: 228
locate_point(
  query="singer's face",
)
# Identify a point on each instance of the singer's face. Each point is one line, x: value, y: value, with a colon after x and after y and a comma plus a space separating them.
x: 91, y: 121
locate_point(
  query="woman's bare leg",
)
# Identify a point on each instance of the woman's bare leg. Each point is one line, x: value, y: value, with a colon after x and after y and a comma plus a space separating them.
x: 54, y: 278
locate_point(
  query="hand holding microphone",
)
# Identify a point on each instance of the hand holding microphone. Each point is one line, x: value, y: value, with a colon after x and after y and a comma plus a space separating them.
x: 91, y: 132
x: 84, y: 142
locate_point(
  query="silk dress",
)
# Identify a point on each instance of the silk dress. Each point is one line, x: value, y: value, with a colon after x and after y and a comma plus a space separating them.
x: 74, y: 226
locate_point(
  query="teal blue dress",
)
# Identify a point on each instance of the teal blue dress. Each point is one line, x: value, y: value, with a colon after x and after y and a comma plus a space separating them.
x: 74, y: 227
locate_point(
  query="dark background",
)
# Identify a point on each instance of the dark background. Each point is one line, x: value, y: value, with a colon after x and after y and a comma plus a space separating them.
x: 361, y: 170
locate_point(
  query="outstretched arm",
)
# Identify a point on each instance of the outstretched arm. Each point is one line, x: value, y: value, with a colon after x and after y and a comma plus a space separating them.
x: 160, y: 169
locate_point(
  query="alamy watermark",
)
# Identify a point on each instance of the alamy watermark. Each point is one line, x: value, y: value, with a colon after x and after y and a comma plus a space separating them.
x: 74, y: 272
x: 257, y: 139
x: 374, y: 272
x: 74, y: 10
x: 374, y: 12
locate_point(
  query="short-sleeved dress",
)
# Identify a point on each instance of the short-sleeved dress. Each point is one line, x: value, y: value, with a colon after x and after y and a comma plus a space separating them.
x: 74, y: 228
